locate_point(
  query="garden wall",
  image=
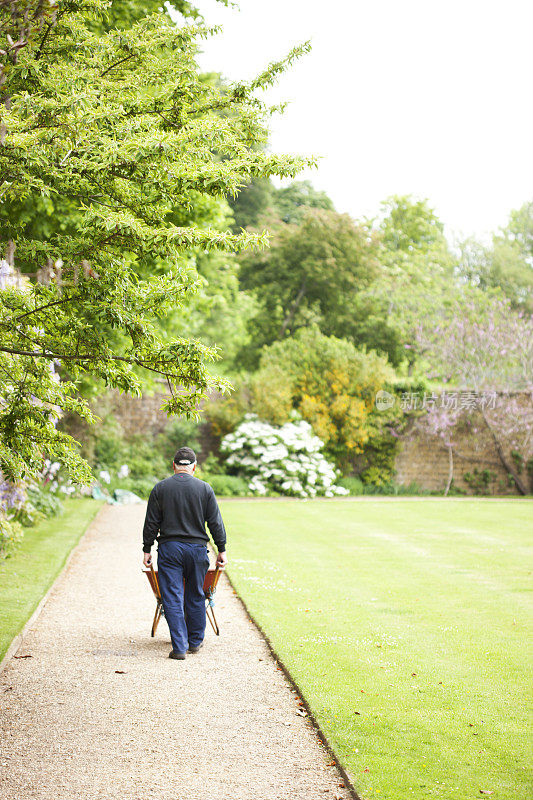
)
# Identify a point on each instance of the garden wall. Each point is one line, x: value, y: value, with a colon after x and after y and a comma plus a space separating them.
x: 424, y: 460
x: 144, y: 415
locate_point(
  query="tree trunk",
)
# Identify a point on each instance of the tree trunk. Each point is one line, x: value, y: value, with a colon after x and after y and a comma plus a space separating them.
x: 450, y: 469
x: 292, y: 311
x: 519, y: 483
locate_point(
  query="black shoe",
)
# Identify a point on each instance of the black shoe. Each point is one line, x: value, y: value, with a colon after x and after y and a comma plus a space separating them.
x: 177, y: 656
x: 195, y: 649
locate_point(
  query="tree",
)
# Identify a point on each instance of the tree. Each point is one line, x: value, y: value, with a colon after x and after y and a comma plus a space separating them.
x: 484, y: 347
x: 290, y: 202
x: 329, y: 382
x: 506, y: 264
x: 260, y: 201
x: 252, y: 204
x: 120, y: 126
x: 124, y: 13
x: 415, y: 279
x: 310, y: 275
x: 219, y: 311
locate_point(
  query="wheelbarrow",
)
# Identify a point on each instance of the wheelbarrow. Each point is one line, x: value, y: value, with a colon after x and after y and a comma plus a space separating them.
x: 210, y: 587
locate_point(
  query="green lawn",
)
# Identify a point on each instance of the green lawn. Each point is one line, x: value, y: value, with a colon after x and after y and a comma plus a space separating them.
x: 405, y: 623
x: 26, y: 576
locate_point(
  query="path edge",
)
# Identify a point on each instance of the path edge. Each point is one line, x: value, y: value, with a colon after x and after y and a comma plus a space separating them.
x: 310, y: 716
x: 18, y: 641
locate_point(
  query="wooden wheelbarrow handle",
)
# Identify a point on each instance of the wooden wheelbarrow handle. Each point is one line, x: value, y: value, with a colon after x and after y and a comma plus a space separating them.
x: 210, y: 585
x: 157, y: 590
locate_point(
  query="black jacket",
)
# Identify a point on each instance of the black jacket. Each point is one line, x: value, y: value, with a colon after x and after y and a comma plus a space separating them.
x: 178, y: 508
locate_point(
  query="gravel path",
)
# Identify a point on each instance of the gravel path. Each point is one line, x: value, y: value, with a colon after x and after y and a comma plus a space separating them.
x: 222, y: 724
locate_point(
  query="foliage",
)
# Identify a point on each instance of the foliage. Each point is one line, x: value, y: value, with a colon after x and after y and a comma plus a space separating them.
x: 507, y: 264
x: 330, y: 383
x: 261, y: 202
x: 123, y: 13
x: 227, y: 485
x: 137, y: 461
x: 393, y: 489
x: 12, y: 500
x: 280, y: 460
x: 290, y: 202
x: 252, y: 204
x: 366, y: 282
x: 11, y: 534
x: 26, y: 504
x: 408, y: 224
x: 117, y: 127
x: 379, y: 457
x: 480, y: 343
x: 134, y: 463
x: 45, y: 502
x: 178, y: 433
x: 353, y: 484
x: 480, y: 480
x: 219, y: 312
x: 415, y: 280
x: 310, y: 275
x: 225, y: 412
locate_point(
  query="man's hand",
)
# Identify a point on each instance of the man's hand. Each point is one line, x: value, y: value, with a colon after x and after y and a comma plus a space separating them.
x: 222, y: 559
x: 147, y: 560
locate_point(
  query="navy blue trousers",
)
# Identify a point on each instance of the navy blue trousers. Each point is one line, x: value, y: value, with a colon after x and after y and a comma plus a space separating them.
x: 184, y: 606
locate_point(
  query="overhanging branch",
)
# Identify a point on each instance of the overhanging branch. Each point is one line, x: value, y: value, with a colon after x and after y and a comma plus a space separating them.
x: 89, y: 357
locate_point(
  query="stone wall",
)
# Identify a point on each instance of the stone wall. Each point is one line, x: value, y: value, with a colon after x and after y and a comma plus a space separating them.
x: 144, y: 415
x: 139, y: 414
x: 425, y: 460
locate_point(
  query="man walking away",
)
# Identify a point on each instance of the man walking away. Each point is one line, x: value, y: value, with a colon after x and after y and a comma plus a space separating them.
x: 178, y: 508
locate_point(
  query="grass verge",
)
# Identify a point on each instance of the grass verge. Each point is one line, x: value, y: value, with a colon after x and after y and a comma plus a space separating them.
x: 404, y: 623
x: 28, y: 573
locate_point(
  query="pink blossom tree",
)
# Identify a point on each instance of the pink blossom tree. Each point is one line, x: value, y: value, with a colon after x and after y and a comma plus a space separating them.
x: 484, y: 349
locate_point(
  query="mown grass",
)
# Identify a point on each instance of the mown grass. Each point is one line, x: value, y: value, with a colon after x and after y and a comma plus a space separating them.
x: 28, y: 573
x: 404, y: 622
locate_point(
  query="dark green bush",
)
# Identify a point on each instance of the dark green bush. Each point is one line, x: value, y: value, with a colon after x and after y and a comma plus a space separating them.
x: 394, y: 489
x: 228, y: 485
x: 139, y: 486
x: 42, y: 503
x: 11, y: 534
x: 456, y: 491
x: 480, y: 480
x: 108, y: 446
x: 178, y: 433
x: 353, y: 484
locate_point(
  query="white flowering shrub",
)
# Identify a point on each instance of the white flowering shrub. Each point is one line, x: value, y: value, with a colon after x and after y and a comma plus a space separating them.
x: 282, y: 460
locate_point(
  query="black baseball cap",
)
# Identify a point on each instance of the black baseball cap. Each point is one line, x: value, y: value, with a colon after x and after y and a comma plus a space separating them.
x: 185, y: 456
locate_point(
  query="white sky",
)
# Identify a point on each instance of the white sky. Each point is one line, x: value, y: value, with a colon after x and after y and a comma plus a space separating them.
x: 423, y: 97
